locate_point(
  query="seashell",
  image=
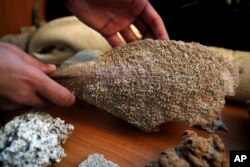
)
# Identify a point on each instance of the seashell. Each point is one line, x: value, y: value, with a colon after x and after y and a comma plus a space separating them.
x: 242, y: 60
x: 60, y: 39
x: 149, y: 82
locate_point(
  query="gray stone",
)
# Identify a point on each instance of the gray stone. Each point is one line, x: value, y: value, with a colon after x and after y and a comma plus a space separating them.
x: 97, y: 160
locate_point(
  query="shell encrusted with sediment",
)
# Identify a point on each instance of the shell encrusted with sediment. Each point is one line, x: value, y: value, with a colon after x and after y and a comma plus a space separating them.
x: 195, y: 151
x: 149, y: 82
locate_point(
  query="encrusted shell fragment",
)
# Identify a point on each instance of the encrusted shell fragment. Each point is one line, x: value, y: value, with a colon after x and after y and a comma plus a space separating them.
x: 149, y: 82
x: 33, y: 139
x: 194, y: 151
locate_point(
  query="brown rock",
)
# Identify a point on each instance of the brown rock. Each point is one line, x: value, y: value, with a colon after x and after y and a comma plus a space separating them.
x: 194, y: 151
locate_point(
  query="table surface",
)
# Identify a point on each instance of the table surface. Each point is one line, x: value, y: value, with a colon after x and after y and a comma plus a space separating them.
x: 97, y: 131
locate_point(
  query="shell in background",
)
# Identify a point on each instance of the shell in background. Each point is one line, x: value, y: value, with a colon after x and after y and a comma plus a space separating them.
x: 60, y: 39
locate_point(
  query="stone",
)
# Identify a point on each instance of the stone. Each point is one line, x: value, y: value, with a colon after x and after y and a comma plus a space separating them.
x: 97, y: 160
x: 194, y: 151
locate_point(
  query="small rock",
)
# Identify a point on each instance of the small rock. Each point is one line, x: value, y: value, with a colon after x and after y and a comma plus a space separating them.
x: 97, y: 160
x: 194, y: 151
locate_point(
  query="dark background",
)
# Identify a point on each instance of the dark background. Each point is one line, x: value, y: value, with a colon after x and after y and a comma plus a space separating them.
x: 210, y: 22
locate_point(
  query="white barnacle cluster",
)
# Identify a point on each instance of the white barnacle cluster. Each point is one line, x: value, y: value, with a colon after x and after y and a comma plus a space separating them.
x: 33, y: 139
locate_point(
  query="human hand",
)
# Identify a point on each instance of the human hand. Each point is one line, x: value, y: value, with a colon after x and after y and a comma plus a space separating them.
x: 112, y: 16
x: 23, y: 81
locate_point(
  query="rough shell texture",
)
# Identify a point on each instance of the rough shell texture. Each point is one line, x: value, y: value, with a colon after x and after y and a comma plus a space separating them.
x: 194, y: 151
x: 33, y: 140
x: 97, y: 160
x: 149, y: 82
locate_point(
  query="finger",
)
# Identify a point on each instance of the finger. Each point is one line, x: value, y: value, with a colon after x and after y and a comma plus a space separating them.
x: 46, y: 68
x: 38, y: 101
x: 144, y: 29
x: 154, y: 21
x: 25, y: 97
x: 51, y: 90
x: 7, y: 105
x: 115, y: 40
x: 128, y: 35
x: 29, y: 59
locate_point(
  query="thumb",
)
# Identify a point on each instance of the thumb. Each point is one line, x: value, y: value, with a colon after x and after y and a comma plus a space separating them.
x: 46, y: 68
x: 53, y: 91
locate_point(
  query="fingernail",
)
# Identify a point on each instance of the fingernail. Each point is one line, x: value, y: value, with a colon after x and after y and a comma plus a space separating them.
x: 52, y: 66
